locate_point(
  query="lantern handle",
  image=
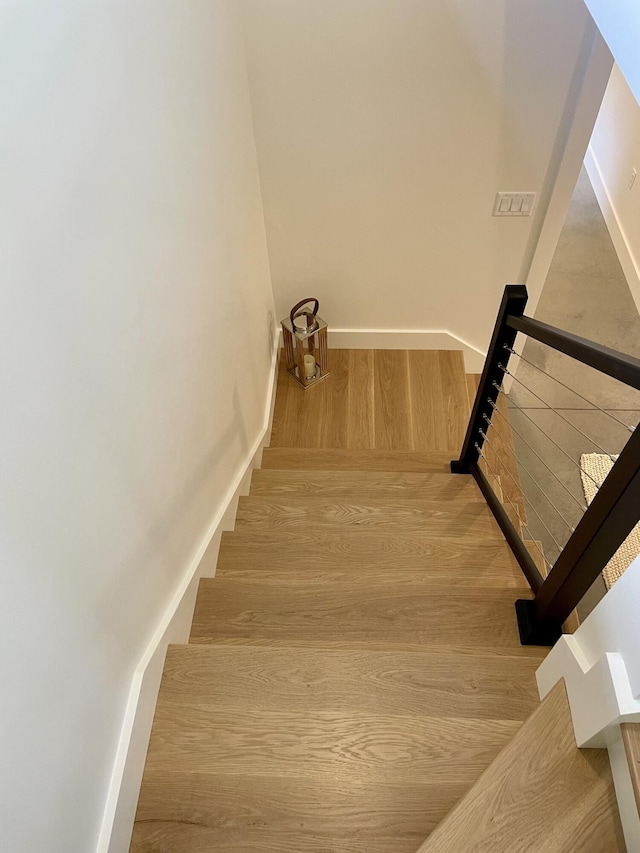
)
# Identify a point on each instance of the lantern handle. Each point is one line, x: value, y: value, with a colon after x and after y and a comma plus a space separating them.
x: 302, y: 302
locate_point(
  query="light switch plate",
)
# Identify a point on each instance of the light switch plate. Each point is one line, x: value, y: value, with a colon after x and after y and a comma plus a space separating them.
x: 514, y: 204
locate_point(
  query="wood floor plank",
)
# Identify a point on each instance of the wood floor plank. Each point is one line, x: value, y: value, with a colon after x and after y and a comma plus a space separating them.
x: 332, y: 401
x: 427, y: 401
x: 510, y: 808
x: 229, y: 608
x: 455, y: 397
x: 393, y: 424
x: 431, y: 683
x: 379, y: 516
x: 361, y: 413
x: 341, y: 459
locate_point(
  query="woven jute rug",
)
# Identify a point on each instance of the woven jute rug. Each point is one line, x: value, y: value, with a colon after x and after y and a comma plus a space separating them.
x: 597, y: 466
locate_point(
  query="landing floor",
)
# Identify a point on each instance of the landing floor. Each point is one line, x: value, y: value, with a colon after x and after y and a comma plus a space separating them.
x: 376, y: 399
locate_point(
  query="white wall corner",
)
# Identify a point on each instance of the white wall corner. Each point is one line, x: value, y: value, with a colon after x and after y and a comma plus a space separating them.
x: 600, y: 696
x: 174, y: 627
x: 628, y: 261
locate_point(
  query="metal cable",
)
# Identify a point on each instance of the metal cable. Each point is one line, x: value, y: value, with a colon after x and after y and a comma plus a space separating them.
x: 557, y: 544
x: 535, y: 453
x: 551, y: 409
x: 553, y: 441
x: 522, y: 523
x: 531, y: 477
x: 590, y: 402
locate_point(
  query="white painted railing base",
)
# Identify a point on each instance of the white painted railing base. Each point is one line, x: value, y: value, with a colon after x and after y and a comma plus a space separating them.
x: 600, y: 665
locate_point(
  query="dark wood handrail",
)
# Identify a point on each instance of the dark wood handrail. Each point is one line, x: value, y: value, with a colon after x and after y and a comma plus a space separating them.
x: 514, y: 301
x: 625, y: 368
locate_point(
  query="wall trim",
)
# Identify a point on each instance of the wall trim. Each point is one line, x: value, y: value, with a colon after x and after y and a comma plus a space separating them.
x: 407, y: 339
x: 628, y: 262
x: 174, y: 627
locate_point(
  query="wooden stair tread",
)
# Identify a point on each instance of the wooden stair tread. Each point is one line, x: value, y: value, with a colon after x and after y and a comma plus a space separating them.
x: 277, y: 555
x: 285, y: 816
x: 380, y: 484
x: 434, y: 683
x: 455, y: 518
x: 330, y: 459
x: 542, y: 793
x: 415, y: 612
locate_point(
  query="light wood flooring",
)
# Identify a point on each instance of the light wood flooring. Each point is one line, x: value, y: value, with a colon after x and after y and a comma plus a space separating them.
x: 354, y: 666
x: 376, y: 399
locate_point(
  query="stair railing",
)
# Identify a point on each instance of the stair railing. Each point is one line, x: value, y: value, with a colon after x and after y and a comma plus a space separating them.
x: 613, y: 512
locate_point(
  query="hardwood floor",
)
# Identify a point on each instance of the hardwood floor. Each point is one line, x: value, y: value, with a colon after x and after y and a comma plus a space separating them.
x: 354, y: 667
x: 377, y: 399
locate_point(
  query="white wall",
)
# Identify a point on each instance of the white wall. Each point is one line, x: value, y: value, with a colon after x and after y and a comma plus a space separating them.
x: 133, y: 262
x: 613, y: 154
x: 384, y: 130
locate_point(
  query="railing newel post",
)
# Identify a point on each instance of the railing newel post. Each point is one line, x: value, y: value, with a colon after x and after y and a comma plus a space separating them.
x: 514, y: 301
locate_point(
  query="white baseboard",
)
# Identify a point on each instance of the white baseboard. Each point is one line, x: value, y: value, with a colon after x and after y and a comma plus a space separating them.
x: 175, y: 626
x: 407, y: 339
x: 630, y: 266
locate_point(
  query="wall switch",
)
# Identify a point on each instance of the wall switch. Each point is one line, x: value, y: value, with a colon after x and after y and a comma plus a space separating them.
x: 514, y: 204
x: 632, y: 179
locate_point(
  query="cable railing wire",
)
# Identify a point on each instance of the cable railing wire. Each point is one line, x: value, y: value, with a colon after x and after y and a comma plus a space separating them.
x: 523, y: 524
x: 553, y: 441
x: 542, y: 522
x: 558, y: 413
x: 536, y: 454
x: 627, y: 426
x: 531, y: 477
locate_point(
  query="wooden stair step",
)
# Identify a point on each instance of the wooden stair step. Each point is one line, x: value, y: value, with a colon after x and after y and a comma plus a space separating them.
x: 330, y: 459
x: 193, y: 812
x: 319, y: 749
x: 354, y: 610
x: 511, y: 807
x: 280, y: 555
x: 434, y: 683
x: 370, y: 484
x: 449, y: 519
x: 356, y: 747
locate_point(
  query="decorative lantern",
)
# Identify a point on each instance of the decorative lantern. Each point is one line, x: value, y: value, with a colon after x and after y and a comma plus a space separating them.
x: 305, y: 344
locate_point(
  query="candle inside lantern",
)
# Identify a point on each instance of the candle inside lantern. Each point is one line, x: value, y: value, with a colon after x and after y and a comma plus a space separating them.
x: 309, y: 366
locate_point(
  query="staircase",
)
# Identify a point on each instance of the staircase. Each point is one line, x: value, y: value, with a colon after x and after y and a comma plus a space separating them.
x: 353, y: 668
